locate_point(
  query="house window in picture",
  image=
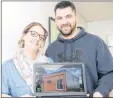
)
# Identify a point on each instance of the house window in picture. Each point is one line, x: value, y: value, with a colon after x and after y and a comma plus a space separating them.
x: 53, y: 31
x: 110, y: 41
x: 59, y: 84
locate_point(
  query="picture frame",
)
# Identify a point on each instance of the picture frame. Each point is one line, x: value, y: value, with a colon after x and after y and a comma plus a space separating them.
x: 58, y: 80
x: 53, y: 31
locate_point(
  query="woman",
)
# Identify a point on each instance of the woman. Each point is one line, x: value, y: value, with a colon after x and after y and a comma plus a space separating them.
x: 17, y: 72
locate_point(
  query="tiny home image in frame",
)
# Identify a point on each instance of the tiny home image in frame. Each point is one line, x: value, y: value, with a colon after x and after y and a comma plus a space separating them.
x: 59, y: 78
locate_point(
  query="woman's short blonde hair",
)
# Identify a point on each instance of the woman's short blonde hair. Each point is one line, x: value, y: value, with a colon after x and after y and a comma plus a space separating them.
x: 25, y: 31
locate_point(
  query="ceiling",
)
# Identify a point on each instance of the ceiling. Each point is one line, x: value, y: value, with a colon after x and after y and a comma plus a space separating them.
x: 95, y: 11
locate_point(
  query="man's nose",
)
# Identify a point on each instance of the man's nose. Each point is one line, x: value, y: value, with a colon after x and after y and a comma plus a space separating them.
x: 64, y: 21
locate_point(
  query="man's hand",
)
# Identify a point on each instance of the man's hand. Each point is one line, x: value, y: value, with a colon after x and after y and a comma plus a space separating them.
x: 26, y: 95
x: 97, y: 94
x: 88, y: 95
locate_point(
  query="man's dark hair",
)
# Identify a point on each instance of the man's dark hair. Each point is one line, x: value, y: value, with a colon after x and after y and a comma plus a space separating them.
x: 64, y: 4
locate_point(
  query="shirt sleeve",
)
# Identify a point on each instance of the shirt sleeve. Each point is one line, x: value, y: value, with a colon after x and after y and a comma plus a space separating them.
x: 5, y: 88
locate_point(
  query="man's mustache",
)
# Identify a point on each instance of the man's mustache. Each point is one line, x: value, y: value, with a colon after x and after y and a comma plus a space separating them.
x: 65, y: 25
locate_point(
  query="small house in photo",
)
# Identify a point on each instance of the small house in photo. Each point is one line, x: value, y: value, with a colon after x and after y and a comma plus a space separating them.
x: 62, y: 80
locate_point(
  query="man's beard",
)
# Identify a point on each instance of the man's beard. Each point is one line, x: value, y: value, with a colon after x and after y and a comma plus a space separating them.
x: 69, y: 33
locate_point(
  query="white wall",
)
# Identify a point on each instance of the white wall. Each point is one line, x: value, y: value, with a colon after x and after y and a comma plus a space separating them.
x: 81, y: 21
x: 102, y: 29
x: 16, y: 15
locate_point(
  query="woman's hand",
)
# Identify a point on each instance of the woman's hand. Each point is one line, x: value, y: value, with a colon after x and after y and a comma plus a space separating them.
x: 5, y: 95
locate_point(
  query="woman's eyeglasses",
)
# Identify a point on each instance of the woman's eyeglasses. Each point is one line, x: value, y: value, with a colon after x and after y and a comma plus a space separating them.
x: 35, y: 34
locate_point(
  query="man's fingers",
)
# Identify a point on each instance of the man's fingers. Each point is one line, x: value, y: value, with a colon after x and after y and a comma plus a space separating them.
x: 87, y: 95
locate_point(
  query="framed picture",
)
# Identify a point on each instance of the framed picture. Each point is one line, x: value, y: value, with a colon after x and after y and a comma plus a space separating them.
x: 53, y: 31
x: 53, y: 80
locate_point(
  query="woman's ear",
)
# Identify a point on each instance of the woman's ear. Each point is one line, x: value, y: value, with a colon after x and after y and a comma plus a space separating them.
x: 42, y: 44
x: 21, y: 42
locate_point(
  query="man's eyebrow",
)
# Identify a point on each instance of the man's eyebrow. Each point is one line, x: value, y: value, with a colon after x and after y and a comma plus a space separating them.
x: 69, y: 14
x: 58, y: 16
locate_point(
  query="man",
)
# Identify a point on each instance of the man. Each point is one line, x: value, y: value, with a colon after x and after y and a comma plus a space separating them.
x: 74, y: 44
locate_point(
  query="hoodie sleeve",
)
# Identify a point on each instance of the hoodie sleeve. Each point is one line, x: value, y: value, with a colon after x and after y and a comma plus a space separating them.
x: 49, y: 52
x: 104, y: 62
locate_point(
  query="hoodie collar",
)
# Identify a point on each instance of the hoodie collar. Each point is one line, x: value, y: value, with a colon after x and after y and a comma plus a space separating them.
x: 81, y: 32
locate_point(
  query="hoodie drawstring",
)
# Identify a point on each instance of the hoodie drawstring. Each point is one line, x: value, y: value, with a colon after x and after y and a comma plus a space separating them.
x: 72, y: 51
x: 65, y: 46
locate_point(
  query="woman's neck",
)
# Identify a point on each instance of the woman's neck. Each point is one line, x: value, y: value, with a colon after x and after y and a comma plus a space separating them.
x: 31, y: 53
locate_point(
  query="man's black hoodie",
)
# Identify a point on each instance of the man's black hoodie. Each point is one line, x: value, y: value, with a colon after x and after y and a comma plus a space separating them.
x: 93, y: 52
